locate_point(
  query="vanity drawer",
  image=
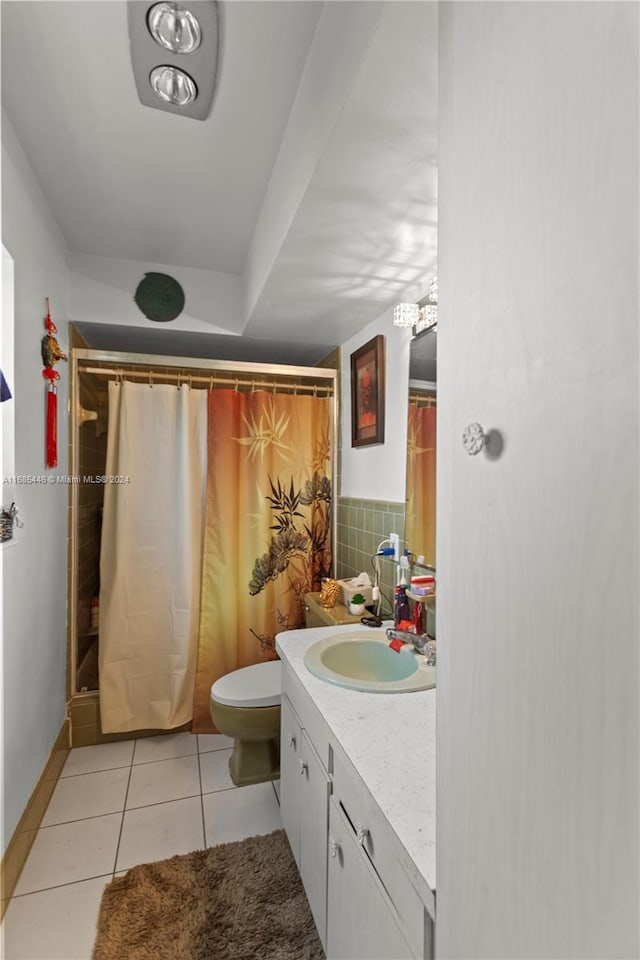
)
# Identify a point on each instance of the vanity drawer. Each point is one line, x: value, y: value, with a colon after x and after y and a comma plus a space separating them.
x: 309, y: 716
x: 379, y: 844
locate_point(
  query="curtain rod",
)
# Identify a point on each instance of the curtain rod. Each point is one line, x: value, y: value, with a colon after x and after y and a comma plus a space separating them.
x: 190, y: 378
x: 421, y: 398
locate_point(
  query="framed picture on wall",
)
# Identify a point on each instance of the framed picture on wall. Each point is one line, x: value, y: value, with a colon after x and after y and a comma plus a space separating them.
x: 367, y: 394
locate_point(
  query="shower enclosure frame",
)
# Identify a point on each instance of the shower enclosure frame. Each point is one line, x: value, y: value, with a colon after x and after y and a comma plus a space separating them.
x: 93, y: 362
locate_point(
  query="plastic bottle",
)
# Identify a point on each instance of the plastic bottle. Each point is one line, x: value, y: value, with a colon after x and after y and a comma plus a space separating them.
x: 402, y: 610
x: 396, y: 604
x: 418, y: 618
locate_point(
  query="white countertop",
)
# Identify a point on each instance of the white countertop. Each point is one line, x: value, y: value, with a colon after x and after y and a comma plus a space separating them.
x: 389, y: 739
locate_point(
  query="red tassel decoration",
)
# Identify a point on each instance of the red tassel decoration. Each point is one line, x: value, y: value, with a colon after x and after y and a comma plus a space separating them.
x: 51, y: 354
x: 52, y: 426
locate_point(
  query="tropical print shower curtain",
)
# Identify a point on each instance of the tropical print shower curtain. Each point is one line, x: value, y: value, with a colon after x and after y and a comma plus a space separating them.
x: 267, y: 538
x: 421, y: 480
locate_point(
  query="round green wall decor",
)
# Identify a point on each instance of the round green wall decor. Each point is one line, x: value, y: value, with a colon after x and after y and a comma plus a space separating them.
x: 159, y: 297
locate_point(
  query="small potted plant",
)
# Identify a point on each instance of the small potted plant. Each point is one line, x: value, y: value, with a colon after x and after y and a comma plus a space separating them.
x: 356, y: 604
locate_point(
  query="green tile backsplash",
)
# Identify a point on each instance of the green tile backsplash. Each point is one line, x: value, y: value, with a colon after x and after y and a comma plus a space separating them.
x: 361, y: 525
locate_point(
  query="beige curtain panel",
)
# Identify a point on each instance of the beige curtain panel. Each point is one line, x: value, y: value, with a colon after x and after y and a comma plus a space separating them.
x: 150, y: 565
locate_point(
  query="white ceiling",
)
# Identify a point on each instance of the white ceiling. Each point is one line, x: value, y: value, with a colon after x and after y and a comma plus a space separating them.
x: 313, y: 178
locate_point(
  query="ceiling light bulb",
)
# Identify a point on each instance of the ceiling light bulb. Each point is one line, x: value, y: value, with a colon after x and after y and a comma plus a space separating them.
x: 174, y: 28
x: 173, y: 85
x: 406, y: 314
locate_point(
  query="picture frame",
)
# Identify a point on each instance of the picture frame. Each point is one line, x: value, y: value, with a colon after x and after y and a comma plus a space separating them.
x: 367, y: 393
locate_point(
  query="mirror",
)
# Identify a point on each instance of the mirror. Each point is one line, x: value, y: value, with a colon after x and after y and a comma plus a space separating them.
x: 420, y: 523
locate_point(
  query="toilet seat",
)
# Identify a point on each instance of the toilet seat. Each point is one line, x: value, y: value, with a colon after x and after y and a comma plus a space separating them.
x: 259, y: 685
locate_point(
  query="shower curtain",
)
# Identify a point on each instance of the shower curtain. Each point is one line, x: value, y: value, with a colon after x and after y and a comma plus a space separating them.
x: 150, y: 564
x: 268, y: 520
x: 421, y: 481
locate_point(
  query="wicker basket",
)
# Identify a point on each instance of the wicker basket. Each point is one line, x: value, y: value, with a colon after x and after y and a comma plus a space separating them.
x: 7, y: 517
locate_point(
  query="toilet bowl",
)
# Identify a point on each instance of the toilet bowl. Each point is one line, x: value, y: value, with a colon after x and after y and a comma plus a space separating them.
x: 245, y: 705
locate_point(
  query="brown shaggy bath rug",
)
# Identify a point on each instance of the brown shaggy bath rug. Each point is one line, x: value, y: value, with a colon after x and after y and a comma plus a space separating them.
x: 237, y: 901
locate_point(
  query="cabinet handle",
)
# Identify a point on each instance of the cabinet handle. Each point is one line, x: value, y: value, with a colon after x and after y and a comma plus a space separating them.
x: 334, y: 846
x: 361, y: 833
x: 291, y: 740
x: 303, y: 766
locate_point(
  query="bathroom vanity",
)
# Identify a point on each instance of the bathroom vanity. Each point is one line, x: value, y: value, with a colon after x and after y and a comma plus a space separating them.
x: 358, y: 804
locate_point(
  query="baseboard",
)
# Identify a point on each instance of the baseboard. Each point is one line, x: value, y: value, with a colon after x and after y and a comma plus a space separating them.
x: 23, y: 836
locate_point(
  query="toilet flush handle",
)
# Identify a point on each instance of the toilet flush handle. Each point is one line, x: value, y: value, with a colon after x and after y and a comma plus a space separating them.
x: 303, y: 766
x: 291, y: 740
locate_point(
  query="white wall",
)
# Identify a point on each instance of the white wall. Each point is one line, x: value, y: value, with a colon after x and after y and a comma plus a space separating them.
x: 35, y: 568
x: 378, y: 472
x: 102, y: 291
x: 538, y: 746
x: 343, y: 33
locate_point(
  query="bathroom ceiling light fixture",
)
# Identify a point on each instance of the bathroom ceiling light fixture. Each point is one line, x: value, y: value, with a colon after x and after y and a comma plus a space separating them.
x: 406, y: 314
x: 174, y: 54
x: 173, y: 27
x: 173, y: 85
x: 423, y: 315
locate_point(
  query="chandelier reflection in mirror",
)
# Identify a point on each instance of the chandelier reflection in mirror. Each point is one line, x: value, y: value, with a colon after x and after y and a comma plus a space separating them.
x: 421, y: 316
x: 174, y: 54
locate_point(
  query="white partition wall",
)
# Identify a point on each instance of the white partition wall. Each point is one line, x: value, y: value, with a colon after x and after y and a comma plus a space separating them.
x: 538, y: 671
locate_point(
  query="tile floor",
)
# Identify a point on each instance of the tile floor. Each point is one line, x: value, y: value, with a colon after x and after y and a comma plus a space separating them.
x: 117, y: 805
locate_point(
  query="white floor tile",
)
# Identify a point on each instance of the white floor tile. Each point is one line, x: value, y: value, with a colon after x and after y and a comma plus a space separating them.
x: 214, y: 768
x: 58, y: 924
x: 213, y: 741
x: 164, y: 817
x: 70, y: 852
x: 236, y: 814
x: 160, y: 831
x: 165, y: 747
x: 163, y: 780
x: 102, y: 756
x: 87, y: 795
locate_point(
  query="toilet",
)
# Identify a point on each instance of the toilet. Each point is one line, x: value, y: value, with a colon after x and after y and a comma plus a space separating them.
x: 245, y: 705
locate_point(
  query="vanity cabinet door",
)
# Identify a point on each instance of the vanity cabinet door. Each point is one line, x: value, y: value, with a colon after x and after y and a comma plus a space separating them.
x: 290, y: 780
x: 304, y: 798
x: 314, y: 818
x: 360, y: 920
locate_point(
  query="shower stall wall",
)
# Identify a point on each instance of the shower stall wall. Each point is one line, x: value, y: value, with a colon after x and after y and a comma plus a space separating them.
x: 91, y: 448
x: 91, y: 371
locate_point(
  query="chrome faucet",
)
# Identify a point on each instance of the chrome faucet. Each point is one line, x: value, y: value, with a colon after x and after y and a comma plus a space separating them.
x: 418, y: 640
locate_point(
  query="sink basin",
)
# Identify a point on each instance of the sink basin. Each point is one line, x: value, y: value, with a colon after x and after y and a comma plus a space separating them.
x: 364, y: 661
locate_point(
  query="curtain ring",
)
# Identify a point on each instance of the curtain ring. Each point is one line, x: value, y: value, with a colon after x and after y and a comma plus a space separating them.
x: 274, y: 388
x: 211, y: 384
x: 295, y: 389
x: 150, y: 378
x: 315, y: 389
x: 236, y: 386
x: 253, y: 386
x: 190, y: 380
